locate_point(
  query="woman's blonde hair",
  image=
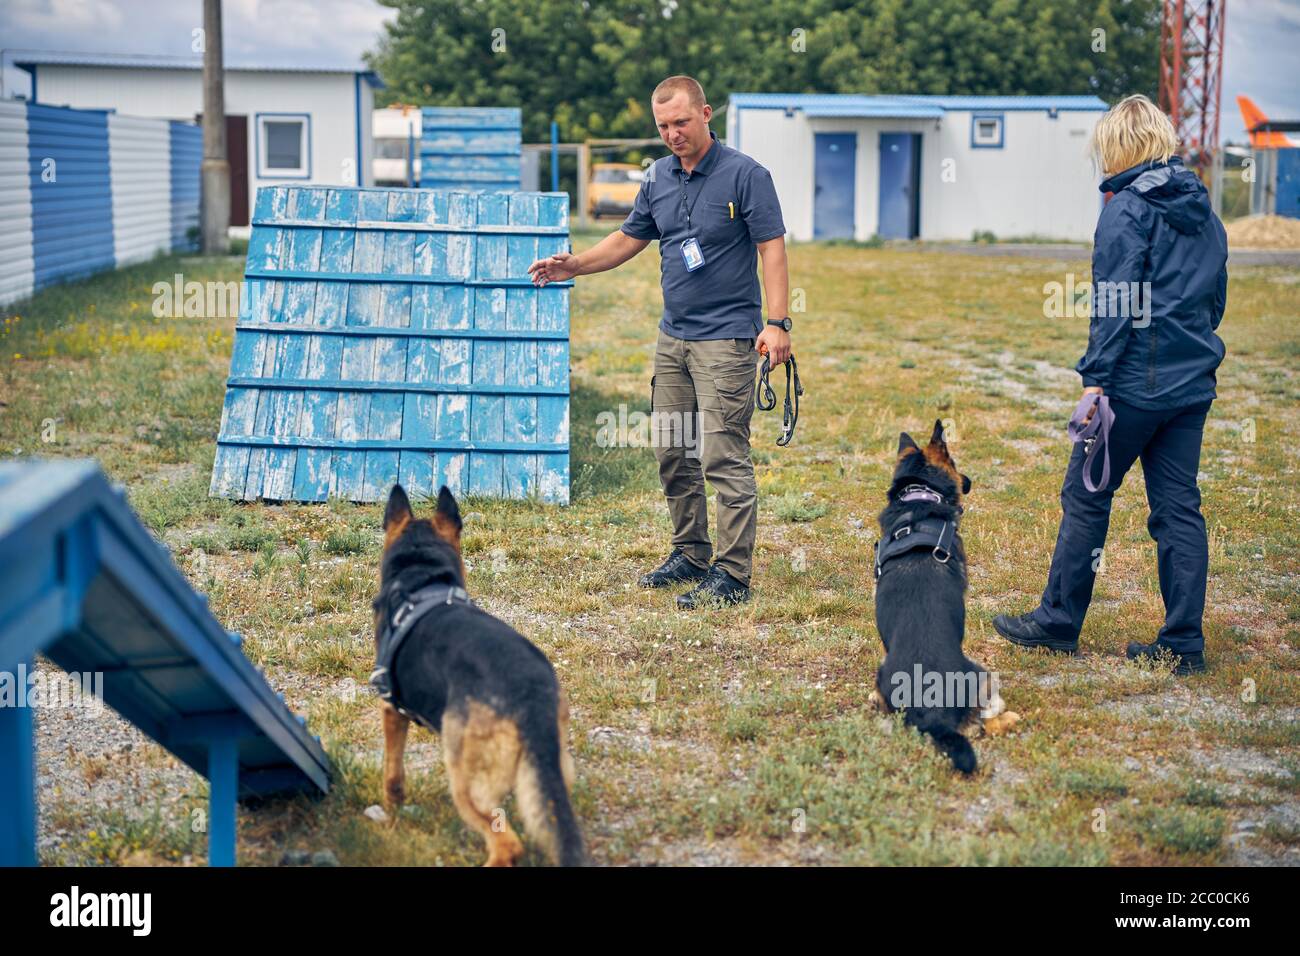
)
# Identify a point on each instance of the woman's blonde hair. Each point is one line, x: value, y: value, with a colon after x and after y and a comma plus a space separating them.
x: 1132, y: 132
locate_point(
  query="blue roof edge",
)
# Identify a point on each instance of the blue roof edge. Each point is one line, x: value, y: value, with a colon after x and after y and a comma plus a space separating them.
x: 948, y: 103
x: 30, y: 59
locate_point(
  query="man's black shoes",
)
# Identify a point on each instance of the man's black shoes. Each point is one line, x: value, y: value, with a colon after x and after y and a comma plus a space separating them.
x: 677, y: 568
x: 715, y: 585
x: 1183, y: 664
x: 1026, y: 632
x: 718, y: 588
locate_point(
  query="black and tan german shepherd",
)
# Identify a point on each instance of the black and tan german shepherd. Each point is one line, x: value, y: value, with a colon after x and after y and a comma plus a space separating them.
x: 492, y: 695
x: 921, y: 610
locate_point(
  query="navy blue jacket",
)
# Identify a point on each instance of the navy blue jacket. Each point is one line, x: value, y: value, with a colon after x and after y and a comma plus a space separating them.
x: 1156, y: 348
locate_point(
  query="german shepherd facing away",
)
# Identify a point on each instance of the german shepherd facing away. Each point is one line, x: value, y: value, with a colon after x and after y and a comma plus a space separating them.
x: 492, y: 696
x: 921, y: 609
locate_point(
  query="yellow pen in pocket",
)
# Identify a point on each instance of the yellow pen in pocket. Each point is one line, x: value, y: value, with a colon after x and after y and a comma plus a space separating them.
x: 731, y: 210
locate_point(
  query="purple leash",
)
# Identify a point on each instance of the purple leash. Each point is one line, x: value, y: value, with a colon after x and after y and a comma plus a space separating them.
x: 1095, y: 436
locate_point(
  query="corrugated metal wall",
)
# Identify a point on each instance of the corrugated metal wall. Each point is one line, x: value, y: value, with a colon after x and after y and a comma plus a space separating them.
x: 470, y: 148
x: 186, y: 163
x: 82, y: 191
x: 396, y: 335
x: 72, y: 198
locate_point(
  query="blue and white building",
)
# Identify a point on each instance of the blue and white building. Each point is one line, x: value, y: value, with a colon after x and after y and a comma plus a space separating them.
x: 285, y: 125
x: 850, y: 166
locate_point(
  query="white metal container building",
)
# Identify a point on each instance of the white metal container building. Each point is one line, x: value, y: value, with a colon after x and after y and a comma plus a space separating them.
x: 397, y: 146
x: 284, y: 124
x: 850, y: 166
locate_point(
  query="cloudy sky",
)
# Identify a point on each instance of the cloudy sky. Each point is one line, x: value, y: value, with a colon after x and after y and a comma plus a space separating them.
x: 1263, y: 38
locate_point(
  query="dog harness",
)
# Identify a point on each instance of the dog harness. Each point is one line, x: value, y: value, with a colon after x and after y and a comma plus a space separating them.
x: 765, y: 396
x: 391, y: 638
x: 1095, y: 435
x: 908, y: 535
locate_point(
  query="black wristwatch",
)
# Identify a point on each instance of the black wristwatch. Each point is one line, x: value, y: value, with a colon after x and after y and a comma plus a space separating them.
x: 780, y: 323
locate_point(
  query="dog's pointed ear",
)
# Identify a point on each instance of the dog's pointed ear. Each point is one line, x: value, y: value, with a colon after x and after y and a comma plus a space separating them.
x: 936, y: 437
x: 448, y: 509
x: 398, y: 510
x: 905, y: 444
x: 965, y: 484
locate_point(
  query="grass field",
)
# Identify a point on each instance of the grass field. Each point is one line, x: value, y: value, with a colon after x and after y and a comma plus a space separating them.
x: 741, y: 735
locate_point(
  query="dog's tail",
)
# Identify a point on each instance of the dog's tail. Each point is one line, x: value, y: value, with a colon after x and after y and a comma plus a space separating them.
x: 544, y: 799
x: 950, y: 742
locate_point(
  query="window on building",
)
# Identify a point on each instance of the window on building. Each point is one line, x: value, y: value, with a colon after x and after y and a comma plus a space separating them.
x: 390, y: 148
x: 986, y: 131
x: 284, y: 144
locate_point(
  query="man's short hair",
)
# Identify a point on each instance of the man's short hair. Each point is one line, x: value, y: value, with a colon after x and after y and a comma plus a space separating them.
x: 670, y: 87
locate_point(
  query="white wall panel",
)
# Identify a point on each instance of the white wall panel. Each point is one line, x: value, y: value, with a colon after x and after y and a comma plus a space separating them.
x: 16, y: 265
x: 140, y: 162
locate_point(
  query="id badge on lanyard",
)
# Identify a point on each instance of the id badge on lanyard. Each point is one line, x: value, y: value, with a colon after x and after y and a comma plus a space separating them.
x: 691, y: 254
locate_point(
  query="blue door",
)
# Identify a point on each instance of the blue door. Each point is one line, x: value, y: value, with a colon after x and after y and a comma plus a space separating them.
x: 1287, y: 201
x: 900, y: 185
x: 834, y: 171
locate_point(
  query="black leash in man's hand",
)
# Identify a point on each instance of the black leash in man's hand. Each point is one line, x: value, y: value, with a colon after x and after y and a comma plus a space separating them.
x: 765, y: 396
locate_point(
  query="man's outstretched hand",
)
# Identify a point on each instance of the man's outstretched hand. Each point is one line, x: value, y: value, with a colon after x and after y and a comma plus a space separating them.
x: 557, y: 268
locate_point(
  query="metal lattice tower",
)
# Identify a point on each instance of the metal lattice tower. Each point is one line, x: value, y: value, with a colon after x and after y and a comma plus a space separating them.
x: 1191, y: 74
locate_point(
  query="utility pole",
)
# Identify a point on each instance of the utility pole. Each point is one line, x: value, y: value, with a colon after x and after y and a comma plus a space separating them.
x: 216, y: 167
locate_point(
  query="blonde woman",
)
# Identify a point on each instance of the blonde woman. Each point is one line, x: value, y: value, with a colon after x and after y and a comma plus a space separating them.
x: 1160, y: 281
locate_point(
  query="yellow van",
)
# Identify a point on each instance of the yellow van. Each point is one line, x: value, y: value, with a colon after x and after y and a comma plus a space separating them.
x: 613, y: 188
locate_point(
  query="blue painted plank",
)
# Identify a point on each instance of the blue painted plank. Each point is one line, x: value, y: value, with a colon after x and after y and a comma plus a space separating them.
x: 382, y: 469
x: 18, y: 782
x: 553, y: 469
x: 553, y: 361
x: 380, y: 278
x: 317, y: 468
x: 230, y: 469
x: 462, y: 210
x: 399, y: 259
x: 223, y: 777
x: 399, y: 444
x: 385, y: 423
x: 367, y: 257
x: 449, y: 144
x: 330, y: 306
x: 428, y: 258
x: 471, y: 117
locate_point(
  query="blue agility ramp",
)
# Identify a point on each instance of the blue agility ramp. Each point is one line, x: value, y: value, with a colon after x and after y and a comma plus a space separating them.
x: 83, y: 582
x: 394, y: 335
x: 467, y: 147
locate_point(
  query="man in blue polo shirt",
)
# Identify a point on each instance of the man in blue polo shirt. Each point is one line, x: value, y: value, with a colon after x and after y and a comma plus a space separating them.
x: 711, y: 208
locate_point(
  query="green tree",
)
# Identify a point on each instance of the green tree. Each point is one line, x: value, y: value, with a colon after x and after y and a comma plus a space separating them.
x: 591, y: 65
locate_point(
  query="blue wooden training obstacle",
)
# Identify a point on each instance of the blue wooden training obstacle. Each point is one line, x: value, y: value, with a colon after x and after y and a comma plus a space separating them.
x: 391, y: 335
x: 84, y: 583
x: 465, y: 147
